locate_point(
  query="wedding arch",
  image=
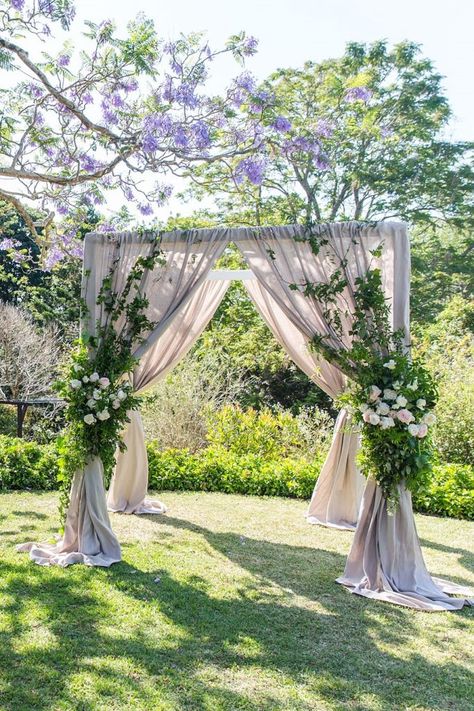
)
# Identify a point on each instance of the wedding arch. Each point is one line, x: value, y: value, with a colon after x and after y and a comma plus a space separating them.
x: 182, y: 294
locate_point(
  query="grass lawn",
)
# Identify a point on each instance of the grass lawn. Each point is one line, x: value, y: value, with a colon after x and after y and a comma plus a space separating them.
x: 227, y: 602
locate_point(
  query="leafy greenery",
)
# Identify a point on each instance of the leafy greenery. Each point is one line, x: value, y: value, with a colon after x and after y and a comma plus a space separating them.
x: 227, y: 603
x: 28, y: 465
x: 96, y: 384
x: 361, y: 137
x: 217, y: 469
x: 449, y: 492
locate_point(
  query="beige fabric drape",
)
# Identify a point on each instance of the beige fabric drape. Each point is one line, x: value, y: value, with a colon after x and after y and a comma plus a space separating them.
x: 338, y: 492
x: 88, y: 537
x: 280, y: 258
x: 386, y: 562
x: 187, y: 258
x: 129, y: 485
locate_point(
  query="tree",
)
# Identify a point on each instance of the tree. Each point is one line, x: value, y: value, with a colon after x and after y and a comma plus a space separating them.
x: 29, y: 357
x: 359, y: 137
x: 101, y: 118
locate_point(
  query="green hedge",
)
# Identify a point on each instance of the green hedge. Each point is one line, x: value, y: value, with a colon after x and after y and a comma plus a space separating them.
x: 27, y: 465
x: 449, y: 493
x: 216, y: 469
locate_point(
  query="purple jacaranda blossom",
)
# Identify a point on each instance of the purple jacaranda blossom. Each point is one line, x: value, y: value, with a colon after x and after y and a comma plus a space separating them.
x: 321, y: 163
x: 249, y: 46
x: 9, y: 243
x: 181, y: 139
x: 300, y: 144
x: 87, y: 98
x: 169, y: 47
x: 129, y: 85
x: 116, y: 100
x: 39, y: 119
x: 162, y: 193
x: 201, y: 134
x: 76, y: 250
x: 146, y: 209
x: 128, y: 194
x: 245, y: 81
x: 17, y: 4
x: 35, y: 91
x: 158, y: 124
x: 238, y: 97
x: 358, y: 93
x: 90, y: 164
x: 63, y: 60
x: 105, y: 227
x: 184, y: 95
x: 150, y: 143
x: 252, y: 168
x: 168, y: 90
x: 176, y: 66
x: 110, y: 117
x: 53, y: 257
x: 281, y: 124
x: 63, y: 209
x: 324, y: 128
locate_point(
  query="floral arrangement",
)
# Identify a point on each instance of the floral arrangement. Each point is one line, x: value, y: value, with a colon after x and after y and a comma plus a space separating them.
x: 390, y: 394
x: 392, y: 400
x: 96, y: 383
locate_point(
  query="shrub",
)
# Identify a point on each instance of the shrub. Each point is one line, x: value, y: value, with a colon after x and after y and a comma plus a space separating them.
x: 216, y: 469
x: 449, y: 493
x: 270, y: 435
x: 175, y: 411
x: 27, y: 465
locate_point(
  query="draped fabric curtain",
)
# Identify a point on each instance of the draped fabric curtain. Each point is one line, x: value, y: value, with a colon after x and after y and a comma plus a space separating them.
x: 338, y: 492
x: 385, y: 561
x: 187, y: 258
x: 129, y: 485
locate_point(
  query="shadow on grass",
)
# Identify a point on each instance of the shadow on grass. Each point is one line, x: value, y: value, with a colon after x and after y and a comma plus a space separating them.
x: 60, y: 624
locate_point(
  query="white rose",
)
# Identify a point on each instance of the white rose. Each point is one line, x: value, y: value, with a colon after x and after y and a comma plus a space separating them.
x: 94, y: 377
x: 121, y: 395
x: 389, y: 394
x: 401, y: 401
x: 75, y: 384
x: 383, y: 408
x: 116, y: 404
x: 429, y: 418
x: 396, y: 385
x: 421, y: 404
x: 390, y: 365
x: 96, y: 394
x: 387, y: 422
x: 85, y: 379
x: 103, y: 415
x: 89, y: 419
x: 77, y: 368
x: 374, y: 419
x: 413, y: 385
x: 104, y: 383
x: 91, y: 403
x: 413, y: 429
x: 374, y: 392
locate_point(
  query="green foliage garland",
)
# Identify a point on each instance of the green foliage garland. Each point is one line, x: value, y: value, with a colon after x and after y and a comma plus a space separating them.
x: 390, y: 394
x: 96, y: 382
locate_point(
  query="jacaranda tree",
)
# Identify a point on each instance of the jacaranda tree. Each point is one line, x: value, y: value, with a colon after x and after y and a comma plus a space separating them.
x: 359, y: 137
x: 105, y: 112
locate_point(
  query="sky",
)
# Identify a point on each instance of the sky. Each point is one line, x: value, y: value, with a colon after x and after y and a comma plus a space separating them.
x: 294, y: 31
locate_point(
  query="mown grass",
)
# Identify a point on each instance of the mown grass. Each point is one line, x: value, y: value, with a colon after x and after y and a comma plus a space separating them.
x: 228, y: 602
